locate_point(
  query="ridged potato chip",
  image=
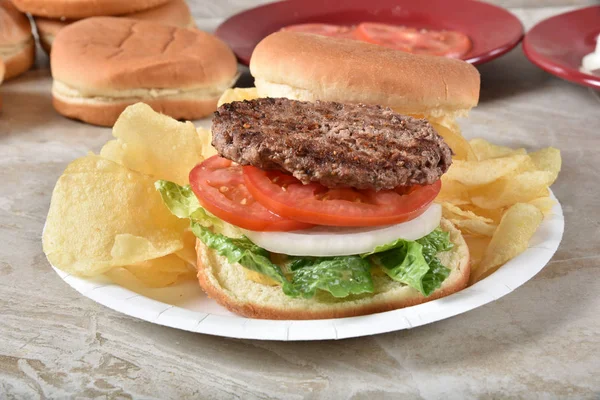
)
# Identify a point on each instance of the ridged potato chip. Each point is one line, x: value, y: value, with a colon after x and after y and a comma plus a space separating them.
x: 451, y: 211
x: 467, y: 221
x: 544, y: 204
x: 493, y: 215
x: 453, y: 192
x: 237, y: 94
x: 474, y: 227
x: 157, y: 273
x: 162, y: 272
x: 206, y: 139
x: 477, y: 173
x: 104, y: 215
x: 154, y: 144
x: 511, y: 238
x: 459, y: 145
x: 547, y: 159
x: 485, y: 150
x: 513, y: 189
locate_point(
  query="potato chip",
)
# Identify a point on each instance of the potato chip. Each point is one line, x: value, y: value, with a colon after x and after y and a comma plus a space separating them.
x: 157, y: 273
x: 515, y: 189
x: 493, y: 215
x: 450, y: 211
x: 459, y: 145
x: 237, y: 94
x: 188, y: 252
x: 206, y: 139
x: 511, y: 238
x: 453, y: 192
x: 162, y: 272
x: 474, y: 227
x: 544, y: 204
x: 476, y: 173
x: 104, y: 215
x: 547, y: 159
x: 154, y: 144
x: 485, y: 150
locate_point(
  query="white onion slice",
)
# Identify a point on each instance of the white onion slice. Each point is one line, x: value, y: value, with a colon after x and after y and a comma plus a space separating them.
x: 326, y: 241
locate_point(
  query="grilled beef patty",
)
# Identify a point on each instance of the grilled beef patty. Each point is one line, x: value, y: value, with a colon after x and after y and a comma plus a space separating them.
x: 337, y: 145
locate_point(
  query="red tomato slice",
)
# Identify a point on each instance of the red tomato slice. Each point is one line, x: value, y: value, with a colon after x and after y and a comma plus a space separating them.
x: 418, y: 41
x: 314, y: 203
x: 323, y: 29
x: 219, y: 185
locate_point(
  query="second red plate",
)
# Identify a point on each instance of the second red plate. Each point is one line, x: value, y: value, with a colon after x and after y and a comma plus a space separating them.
x: 492, y: 30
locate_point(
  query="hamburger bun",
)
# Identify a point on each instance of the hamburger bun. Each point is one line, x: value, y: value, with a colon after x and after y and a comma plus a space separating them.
x: 228, y: 285
x: 174, y: 13
x: 101, y: 65
x: 75, y: 9
x: 17, y: 46
x: 1, y: 79
x: 309, y: 67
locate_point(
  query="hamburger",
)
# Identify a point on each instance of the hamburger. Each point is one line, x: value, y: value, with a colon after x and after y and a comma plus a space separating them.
x: 319, y: 203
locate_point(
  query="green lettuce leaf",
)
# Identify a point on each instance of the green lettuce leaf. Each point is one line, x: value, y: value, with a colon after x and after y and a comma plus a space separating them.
x: 244, y: 252
x: 340, y: 276
x: 183, y: 203
x: 434, y: 243
x: 414, y: 263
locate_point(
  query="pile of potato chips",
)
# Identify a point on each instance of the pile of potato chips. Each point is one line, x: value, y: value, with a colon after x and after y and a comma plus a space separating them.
x: 497, y: 197
x: 107, y: 217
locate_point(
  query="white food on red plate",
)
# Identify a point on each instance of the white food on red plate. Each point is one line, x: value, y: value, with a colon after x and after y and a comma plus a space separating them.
x: 591, y: 62
x: 328, y: 241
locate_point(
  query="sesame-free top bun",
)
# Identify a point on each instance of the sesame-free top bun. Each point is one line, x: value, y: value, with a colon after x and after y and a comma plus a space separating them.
x: 173, y: 13
x: 17, y: 47
x: 76, y: 9
x: 309, y: 67
x: 228, y: 285
x: 101, y: 65
x: 1, y: 79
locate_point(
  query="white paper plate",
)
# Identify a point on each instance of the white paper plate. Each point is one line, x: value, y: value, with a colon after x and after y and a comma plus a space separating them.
x: 186, y: 307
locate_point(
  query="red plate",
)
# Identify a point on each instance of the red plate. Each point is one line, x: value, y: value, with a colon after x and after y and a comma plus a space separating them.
x: 558, y: 44
x: 492, y: 30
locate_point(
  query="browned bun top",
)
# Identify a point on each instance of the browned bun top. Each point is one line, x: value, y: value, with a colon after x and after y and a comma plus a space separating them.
x: 173, y: 13
x: 107, y: 53
x: 14, y: 25
x: 2, y: 70
x: 310, y: 67
x: 76, y: 9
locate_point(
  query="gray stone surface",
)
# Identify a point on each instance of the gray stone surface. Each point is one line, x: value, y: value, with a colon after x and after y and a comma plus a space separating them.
x: 541, y: 341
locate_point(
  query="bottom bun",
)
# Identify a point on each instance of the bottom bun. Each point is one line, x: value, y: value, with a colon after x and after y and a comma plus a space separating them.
x: 20, y: 61
x: 227, y: 284
x: 106, y: 114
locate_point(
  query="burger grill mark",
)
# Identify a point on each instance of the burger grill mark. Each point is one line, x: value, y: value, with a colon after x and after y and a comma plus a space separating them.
x: 337, y: 145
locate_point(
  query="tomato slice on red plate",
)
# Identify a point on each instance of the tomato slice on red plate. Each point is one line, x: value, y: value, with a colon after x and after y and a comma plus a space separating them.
x: 219, y: 185
x: 417, y: 41
x: 316, y: 204
x: 323, y: 29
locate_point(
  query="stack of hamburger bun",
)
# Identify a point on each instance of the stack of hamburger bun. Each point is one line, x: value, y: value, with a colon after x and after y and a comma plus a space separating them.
x: 108, y: 54
x: 17, y: 45
x: 173, y: 13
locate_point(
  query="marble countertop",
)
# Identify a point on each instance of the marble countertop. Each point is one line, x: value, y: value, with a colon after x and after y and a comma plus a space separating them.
x: 541, y: 341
